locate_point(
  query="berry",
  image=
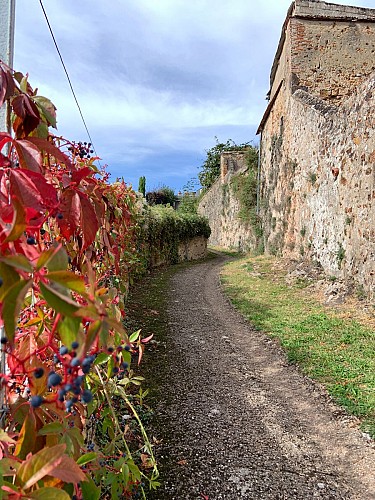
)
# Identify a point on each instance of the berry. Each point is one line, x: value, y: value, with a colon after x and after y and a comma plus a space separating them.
x: 3, y: 340
x: 61, y: 395
x: 78, y: 381
x: 110, y: 349
x: 125, y: 365
x: 31, y: 240
x: 119, y: 348
x: 63, y: 350
x: 90, y: 447
x: 60, y: 216
x: 1, y: 281
x: 42, y: 231
x: 54, y: 379
x: 75, y: 362
x: 86, y: 396
x: 38, y: 372
x: 68, y: 387
x: 115, y: 370
x: 87, y: 361
x: 68, y: 404
x: 127, y: 348
x: 55, y: 359
x: 36, y: 401
x: 75, y: 345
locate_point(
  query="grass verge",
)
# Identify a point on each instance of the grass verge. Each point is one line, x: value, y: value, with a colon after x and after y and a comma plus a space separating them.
x: 339, y: 353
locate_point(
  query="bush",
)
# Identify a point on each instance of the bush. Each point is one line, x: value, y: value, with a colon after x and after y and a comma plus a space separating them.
x: 165, y: 229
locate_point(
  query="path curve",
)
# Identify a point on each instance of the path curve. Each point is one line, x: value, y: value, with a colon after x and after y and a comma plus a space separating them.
x: 237, y: 421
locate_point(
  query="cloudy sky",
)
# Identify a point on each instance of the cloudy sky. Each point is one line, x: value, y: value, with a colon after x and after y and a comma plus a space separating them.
x: 156, y: 80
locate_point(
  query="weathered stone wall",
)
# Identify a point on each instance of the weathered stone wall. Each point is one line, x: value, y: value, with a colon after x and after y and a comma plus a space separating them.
x: 221, y: 206
x: 192, y: 249
x: 329, y: 59
x: 321, y: 206
x: 318, y: 141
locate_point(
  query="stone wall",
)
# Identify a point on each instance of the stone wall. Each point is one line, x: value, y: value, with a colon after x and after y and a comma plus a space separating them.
x: 321, y: 205
x: 192, y: 249
x: 330, y: 59
x: 221, y: 206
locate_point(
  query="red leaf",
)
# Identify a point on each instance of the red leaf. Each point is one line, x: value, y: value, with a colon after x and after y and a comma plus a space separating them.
x: 68, y: 471
x: 81, y: 174
x: 27, y: 110
x: 32, y: 190
x: 48, y: 147
x: 70, y: 208
x: 89, y: 221
x: 4, y: 138
x: 29, y: 155
x: 6, y: 85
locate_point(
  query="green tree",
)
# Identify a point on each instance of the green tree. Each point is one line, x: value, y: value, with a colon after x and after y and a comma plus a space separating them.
x: 163, y: 195
x: 210, y: 170
x: 142, y: 185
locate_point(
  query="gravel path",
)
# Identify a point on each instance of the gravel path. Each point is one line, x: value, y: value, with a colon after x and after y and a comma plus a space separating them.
x: 237, y: 421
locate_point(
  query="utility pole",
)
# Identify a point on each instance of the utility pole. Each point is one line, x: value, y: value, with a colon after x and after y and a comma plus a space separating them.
x: 7, y: 21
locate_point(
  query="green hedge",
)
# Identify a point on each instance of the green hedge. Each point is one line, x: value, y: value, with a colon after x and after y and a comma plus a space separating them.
x: 165, y: 229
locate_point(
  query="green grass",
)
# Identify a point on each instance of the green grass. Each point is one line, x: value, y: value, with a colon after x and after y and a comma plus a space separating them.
x: 338, y: 353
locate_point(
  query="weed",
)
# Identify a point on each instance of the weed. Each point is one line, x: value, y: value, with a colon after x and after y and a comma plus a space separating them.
x: 312, y: 177
x: 340, y: 255
x: 303, y: 231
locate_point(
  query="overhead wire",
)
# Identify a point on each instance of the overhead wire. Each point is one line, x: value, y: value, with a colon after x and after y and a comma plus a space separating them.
x: 68, y: 78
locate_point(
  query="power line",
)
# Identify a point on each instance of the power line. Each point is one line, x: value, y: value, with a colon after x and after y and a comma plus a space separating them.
x: 67, y: 76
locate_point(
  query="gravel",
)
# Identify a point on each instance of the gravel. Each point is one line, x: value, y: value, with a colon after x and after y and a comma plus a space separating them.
x: 235, y: 420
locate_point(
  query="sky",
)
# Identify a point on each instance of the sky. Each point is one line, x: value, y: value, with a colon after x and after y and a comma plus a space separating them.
x: 157, y: 80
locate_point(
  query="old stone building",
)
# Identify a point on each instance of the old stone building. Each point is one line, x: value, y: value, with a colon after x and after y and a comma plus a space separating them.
x: 317, y: 147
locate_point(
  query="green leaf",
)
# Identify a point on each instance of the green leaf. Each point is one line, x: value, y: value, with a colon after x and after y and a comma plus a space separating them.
x: 68, y: 279
x: 61, y: 303
x: 90, y: 491
x: 47, y: 109
x: 9, y: 277
x: 125, y: 474
x: 68, y: 330
x: 51, y: 428
x: 134, y: 336
x: 102, y: 358
x: 18, y: 262
x: 49, y: 493
x: 12, y: 304
x: 92, y: 332
x: 55, y: 259
x: 86, y: 458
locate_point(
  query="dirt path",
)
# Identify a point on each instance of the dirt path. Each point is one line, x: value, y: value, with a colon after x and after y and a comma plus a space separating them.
x: 237, y: 422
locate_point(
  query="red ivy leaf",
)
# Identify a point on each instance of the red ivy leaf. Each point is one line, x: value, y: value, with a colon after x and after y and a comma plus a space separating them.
x: 89, y: 221
x: 29, y: 155
x: 81, y: 174
x: 32, y: 190
x: 7, y: 86
x: 70, y: 208
x: 51, y: 149
x: 28, y: 112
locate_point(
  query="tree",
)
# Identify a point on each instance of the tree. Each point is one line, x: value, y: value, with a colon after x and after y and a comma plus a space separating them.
x: 164, y: 195
x: 210, y: 170
x: 142, y: 185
